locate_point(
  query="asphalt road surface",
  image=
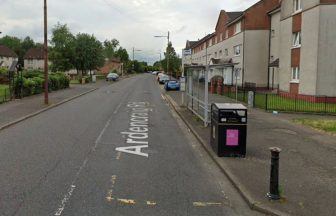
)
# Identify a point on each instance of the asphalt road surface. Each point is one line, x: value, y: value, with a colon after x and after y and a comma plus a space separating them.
x: 120, y: 150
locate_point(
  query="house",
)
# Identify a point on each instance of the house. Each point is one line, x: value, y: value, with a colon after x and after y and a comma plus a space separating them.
x: 34, y: 59
x: 303, y: 48
x: 111, y: 65
x: 242, y: 37
x: 7, y: 56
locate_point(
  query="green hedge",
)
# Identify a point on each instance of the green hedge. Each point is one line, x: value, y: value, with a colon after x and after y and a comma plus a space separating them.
x: 32, y: 83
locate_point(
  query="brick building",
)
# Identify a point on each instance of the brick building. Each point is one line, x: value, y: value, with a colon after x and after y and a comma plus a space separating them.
x: 240, y: 37
x: 303, y: 42
x: 287, y: 45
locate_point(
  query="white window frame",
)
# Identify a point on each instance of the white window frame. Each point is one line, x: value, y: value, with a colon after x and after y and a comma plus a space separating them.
x: 235, y: 49
x: 297, y: 39
x: 226, y: 34
x: 237, y: 28
x: 295, y: 75
x: 297, y: 6
x: 221, y: 37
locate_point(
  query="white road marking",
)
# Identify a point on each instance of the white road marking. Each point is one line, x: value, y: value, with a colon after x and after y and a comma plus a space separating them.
x: 72, y: 187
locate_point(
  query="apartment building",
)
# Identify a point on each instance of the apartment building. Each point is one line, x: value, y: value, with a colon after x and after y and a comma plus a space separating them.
x: 240, y: 37
x: 303, y: 47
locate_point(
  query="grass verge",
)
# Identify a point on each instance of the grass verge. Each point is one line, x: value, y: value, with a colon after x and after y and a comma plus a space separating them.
x: 324, y: 125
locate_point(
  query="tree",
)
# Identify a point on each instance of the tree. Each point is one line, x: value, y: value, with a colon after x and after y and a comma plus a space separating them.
x: 110, y: 48
x: 122, y: 54
x: 62, y: 53
x: 89, y: 53
x: 174, y: 61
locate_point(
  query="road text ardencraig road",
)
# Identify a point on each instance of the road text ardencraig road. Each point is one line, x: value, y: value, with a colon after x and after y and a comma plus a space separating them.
x: 137, y: 134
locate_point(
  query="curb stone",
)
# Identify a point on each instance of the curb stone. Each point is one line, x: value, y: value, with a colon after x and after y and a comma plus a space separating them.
x: 254, y: 205
x: 7, y: 125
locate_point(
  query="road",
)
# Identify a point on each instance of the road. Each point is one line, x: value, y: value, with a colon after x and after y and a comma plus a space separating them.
x: 120, y: 150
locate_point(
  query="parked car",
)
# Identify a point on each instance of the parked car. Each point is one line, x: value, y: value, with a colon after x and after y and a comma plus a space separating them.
x: 155, y: 72
x: 172, y: 85
x: 112, y: 77
x: 163, y: 79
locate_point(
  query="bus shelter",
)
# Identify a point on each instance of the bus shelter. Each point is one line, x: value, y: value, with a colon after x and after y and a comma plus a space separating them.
x: 198, y: 83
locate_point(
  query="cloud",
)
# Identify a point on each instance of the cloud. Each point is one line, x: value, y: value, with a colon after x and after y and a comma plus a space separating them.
x: 132, y: 22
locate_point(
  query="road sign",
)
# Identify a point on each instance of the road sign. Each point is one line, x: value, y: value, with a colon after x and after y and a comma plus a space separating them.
x: 187, y: 52
x: 182, y: 84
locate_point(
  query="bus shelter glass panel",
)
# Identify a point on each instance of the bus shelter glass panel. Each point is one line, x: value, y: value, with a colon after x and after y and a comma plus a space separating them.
x: 196, y: 91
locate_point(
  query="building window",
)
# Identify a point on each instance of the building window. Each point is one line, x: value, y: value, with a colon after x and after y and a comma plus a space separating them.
x: 237, y: 28
x: 227, y: 34
x: 220, y: 53
x: 216, y: 55
x: 295, y: 74
x: 297, y: 6
x: 215, y: 39
x: 221, y: 37
x: 297, y: 39
x: 236, y: 50
x: 210, y: 42
x: 226, y: 51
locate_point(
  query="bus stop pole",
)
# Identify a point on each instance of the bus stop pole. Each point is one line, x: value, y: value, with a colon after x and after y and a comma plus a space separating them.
x: 206, y: 96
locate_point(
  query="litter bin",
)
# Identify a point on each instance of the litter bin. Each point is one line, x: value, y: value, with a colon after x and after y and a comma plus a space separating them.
x: 228, y: 129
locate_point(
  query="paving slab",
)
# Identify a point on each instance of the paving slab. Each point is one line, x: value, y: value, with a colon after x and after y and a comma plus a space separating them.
x: 307, y: 161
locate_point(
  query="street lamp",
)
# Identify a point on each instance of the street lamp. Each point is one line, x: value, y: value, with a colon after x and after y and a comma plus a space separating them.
x: 135, y: 50
x: 167, y: 52
x: 46, y: 96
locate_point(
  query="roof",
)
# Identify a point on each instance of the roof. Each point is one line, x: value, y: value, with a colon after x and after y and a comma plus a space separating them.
x: 203, y: 40
x: 34, y: 53
x: 234, y: 15
x: 7, y: 52
x: 190, y: 44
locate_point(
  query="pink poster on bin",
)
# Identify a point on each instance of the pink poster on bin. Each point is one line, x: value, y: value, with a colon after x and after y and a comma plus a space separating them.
x: 232, y: 137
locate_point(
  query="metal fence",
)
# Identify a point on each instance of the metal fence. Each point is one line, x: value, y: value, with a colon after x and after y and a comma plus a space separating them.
x: 287, y: 102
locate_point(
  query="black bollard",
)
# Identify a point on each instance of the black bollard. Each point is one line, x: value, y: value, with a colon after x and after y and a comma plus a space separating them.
x: 274, y: 194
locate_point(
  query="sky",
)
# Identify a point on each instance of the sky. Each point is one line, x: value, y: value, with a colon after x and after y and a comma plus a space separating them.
x: 133, y: 22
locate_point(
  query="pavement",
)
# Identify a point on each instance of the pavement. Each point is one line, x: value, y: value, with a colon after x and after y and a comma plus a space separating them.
x: 16, y: 109
x: 307, y: 161
x: 119, y: 150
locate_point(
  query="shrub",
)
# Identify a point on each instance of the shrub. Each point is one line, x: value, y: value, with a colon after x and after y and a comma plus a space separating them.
x: 32, y: 82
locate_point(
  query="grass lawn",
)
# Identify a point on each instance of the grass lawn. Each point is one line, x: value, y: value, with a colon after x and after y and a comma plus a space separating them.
x: 4, y: 93
x: 278, y: 103
x: 74, y: 81
x: 324, y: 125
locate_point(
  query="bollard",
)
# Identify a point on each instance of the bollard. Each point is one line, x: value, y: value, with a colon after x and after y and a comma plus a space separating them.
x: 274, y: 194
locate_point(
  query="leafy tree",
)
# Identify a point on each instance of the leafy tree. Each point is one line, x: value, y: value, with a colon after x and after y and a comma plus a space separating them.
x: 110, y: 48
x: 174, y: 61
x: 89, y: 53
x: 122, y: 54
x: 62, y: 53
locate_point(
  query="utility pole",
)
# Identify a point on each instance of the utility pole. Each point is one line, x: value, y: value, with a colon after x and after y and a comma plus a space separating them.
x: 46, y: 96
x: 134, y: 50
x: 167, y: 51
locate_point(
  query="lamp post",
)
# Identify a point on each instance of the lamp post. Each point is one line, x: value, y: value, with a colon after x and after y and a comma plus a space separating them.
x: 135, y: 50
x: 167, y: 52
x: 160, y: 60
x: 46, y: 96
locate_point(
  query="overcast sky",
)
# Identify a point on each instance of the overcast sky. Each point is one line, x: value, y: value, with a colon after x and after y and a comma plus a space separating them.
x: 132, y: 22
